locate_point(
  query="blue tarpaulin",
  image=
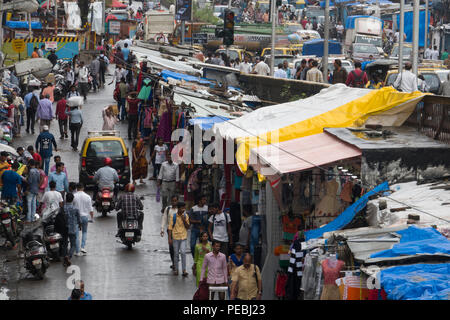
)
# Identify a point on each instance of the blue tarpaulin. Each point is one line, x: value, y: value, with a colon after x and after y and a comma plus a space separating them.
x: 417, y: 282
x: 350, y: 22
x: 315, y: 47
x: 347, y: 216
x: 365, y: 63
x: 415, y: 240
x: 409, y: 19
x: 165, y: 74
x: 23, y: 25
x: 206, y: 123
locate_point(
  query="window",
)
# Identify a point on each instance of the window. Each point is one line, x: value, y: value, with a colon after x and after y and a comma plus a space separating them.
x: 365, y: 49
x: 433, y: 81
x: 105, y: 148
x: 406, y: 51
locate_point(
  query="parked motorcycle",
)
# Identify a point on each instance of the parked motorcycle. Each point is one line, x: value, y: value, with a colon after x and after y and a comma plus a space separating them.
x: 129, y: 232
x: 61, y: 88
x: 104, y: 202
x: 12, y: 223
x: 36, y: 260
x: 52, y: 239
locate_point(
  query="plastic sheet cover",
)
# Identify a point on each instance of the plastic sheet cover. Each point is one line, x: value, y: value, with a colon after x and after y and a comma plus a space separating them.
x: 96, y: 8
x: 206, y: 123
x: 415, y: 241
x: 165, y: 74
x: 73, y: 15
x: 417, y: 282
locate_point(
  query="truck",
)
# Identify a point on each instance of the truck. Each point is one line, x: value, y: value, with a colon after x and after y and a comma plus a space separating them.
x: 158, y: 24
x: 364, y: 29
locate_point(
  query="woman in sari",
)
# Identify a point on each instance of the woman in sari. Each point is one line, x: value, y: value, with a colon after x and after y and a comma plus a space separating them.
x: 139, y: 164
x: 109, y: 119
x: 201, y: 249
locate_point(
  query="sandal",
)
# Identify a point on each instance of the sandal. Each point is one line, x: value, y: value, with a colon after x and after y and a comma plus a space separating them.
x: 185, y: 274
x: 175, y: 273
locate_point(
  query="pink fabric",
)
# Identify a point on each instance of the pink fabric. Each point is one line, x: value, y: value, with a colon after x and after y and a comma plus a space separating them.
x: 217, y: 268
x: 331, y: 274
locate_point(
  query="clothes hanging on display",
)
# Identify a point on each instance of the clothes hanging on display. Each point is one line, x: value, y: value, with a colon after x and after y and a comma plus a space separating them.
x: 329, y: 207
x: 295, y: 271
x: 346, y: 193
x: 290, y: 226
x: 280, y: 284
x: 331, y: 272
x: 165, y: 129
x: 312, y: 277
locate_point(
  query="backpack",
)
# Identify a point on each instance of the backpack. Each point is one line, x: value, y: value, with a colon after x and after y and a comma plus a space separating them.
x: 34, y: 102
x: 175, y: 219
x: 358, y: 80
x: 102, y: 64
x: 202, y: 292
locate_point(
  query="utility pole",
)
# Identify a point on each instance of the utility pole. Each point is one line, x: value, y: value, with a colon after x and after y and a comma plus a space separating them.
x: 227, y: 47
x: 425, y: 41
x: 56, y: 17
x: 1, y: 23
x: 272, y: 50
x: 30, y: 31
x: 325, y: 41
x: 103, y: 18
x: 415, y: 44
x: 400, y: 39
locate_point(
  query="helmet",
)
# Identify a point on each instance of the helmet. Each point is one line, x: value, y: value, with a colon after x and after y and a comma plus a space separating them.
x: 129, y: 187
x: 107, y: 161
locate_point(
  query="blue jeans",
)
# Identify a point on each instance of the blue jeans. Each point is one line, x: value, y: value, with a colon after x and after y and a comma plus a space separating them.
x: 194, y: 236
x: 179, y: 247
x: 77, y: 241
x: 84, y: 227
x: 46, y: 165
x: 31, y: 201
x: 73, y: 243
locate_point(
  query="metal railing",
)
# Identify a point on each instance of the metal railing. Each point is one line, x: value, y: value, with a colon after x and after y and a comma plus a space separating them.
x: 432, y: 117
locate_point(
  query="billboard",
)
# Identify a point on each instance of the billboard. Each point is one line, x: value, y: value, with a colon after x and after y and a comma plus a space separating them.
x: 183, y: 10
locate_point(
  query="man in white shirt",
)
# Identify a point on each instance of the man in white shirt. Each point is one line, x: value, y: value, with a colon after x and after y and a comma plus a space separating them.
x: 340, y: 31
x: 261, y: 68
x: 280, y: 73
x: 168, y: 177
x: 167, y: 216
x: 435, y: 54
x: 397, y: 37
x: 246, y: 66
x: 52, y: 198
x: 83, y: 202
x: 406, y: 81
x: 83, y: 79
x: 427, y: 53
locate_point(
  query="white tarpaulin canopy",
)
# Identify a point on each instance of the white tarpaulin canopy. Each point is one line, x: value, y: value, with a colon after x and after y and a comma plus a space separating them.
x: 73, y: 15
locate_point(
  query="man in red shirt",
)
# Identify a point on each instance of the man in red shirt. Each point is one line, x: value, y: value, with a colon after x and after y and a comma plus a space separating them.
x: 133, y: 104
x: 36, y: 156
x: 62, y: 117
x: 357, y: 78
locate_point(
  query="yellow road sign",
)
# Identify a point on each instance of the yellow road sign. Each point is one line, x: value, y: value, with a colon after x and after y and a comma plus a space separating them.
x: 18, y: 45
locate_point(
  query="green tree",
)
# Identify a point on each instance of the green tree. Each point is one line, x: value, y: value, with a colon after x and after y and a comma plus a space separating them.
x: 204, y: 15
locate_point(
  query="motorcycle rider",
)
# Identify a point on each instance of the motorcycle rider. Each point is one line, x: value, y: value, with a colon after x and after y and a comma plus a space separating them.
x: 128, y: 206
x: 106, y: 177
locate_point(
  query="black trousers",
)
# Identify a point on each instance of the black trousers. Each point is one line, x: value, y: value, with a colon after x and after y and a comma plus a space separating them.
x: 171, y: 251
x: 75, y: 129
x: 102, y: 77
x: 63, y: 126
x: 132, y: 125
x: 121, y: 217
x: 63, y: 252
x: 31, y: 118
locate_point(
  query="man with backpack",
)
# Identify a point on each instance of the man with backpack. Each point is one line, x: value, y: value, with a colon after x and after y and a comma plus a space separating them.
x: 178, y: 227
x: 219, y: 228
x: 357, y: 78
x: 104, y: 62
x: 31, y: 104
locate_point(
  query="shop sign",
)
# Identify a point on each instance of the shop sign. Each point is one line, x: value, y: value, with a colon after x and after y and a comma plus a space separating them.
x: 51, y: 45
x: 19, y: 34
x: 18, y: 45
x: 114, y: 27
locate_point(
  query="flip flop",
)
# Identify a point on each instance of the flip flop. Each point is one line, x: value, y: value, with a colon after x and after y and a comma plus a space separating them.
x: 185, y: 274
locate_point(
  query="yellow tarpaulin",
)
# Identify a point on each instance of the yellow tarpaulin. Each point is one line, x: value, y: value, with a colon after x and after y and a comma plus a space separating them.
x: 352, y: 114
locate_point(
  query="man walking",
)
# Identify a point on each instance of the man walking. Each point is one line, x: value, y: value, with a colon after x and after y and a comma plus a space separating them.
x: 83, y: 80
x: 44, y: 112
x: 123, y: 88
x: 75, y: 124
x: 95, y: 70
x: 198, y: 216
x: 104, y: 62
x: 219, y: 228
x: 357, y: 78
x: 52, y: 197
x: 12, y: 184
x: 167, y: 215
x: 31, y: 105
x: 83, y: 202
x: 133, y: 104
x: 314, y: 74
x: 246, y: 281
x: 178, y: 227
x: 34, y: 181
x: 44, y: 143
x: 339, y: 74
x: 168, y: 177
x: 216, y: 263
x: 74, y: 223
x: 60, y: 178
x: 61, y: 109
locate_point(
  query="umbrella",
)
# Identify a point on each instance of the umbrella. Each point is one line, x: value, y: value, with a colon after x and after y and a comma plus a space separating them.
x: 117, y: 4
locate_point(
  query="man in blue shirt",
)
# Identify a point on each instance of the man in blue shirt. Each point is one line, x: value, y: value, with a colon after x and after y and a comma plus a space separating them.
x: 125, y: 52
x: 44, y: 144
x: 12, y: 183
x: 84, y: 295
x: 31, y: 112
x: 60, y: 178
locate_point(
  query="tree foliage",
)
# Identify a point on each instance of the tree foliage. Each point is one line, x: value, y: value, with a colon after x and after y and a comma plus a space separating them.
x: 204, y: 15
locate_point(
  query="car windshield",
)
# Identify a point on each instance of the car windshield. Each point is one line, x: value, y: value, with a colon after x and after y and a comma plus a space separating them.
x: 281, y: 60
x: 431, y: 79
x: 443, y: 75
x: 365, y: 49
x: 105, y: 148
x: 375, y: 41
x: 406, y: 51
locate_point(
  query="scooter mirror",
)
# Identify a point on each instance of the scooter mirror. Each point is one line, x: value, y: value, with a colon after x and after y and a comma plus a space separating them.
x: 37, y: 217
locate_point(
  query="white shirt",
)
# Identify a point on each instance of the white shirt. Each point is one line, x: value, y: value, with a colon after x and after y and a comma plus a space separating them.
x: 52, y: 197
x: 434, y: 55
x: 397, y: 36
x: 168, y: 212
x: 280, y: 73
x: 262, y: 68
x: 83, y: 74
x: 340, y: 28
x: 408, y: 81
x: 169, y: 172
x: 245, y: 67
x: 427, y: 53
x: 308, y: 26
x: 160, y: 155
x: 220, y: 229
x: 83, y: 202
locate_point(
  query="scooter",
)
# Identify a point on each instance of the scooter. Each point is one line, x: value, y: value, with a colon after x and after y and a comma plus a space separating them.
x: 129, y: 232
x: 36, y: 260
x: 105, y: 201
x: 52, y: 239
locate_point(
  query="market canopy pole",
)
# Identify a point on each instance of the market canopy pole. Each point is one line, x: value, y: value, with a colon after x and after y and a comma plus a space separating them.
x: 272, y: 50
x: 425, y: 42
x: 325, y: 42
x: 415, y: 44
x: 400, y: 39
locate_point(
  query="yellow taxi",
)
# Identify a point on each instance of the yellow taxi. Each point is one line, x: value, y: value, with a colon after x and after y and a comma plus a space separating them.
x: 100, y: 145
x: 292, y: 50
x: 430, y: 75
x: 234, y: 53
